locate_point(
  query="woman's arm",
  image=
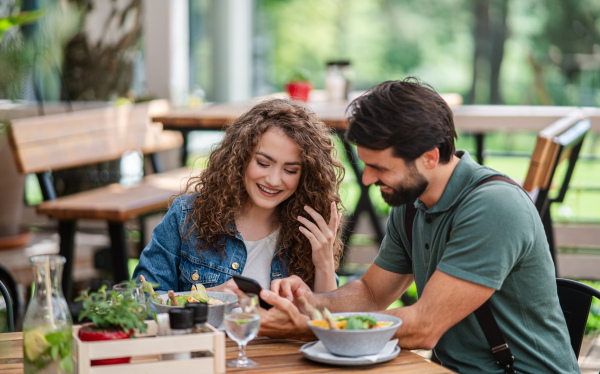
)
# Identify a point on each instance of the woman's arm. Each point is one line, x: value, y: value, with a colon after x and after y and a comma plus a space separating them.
x: 322, y: 239
x: 159, y: 261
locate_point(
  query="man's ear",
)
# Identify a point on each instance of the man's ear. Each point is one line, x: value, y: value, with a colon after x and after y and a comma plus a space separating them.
x: 431, y: 158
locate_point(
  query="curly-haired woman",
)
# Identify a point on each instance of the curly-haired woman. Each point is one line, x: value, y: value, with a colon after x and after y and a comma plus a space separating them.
x: 257, y: 209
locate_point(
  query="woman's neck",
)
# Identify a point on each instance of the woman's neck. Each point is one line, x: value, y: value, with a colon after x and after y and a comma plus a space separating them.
x: 254, y: 223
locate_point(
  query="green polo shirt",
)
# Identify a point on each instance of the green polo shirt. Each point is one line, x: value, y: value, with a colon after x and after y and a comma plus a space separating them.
x: 497, y: 240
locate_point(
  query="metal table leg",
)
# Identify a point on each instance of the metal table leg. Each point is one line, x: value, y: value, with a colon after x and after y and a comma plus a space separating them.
x: 66, y: 232
x: 118, y: 246
x: 479, y: 137
x: 364, y: 204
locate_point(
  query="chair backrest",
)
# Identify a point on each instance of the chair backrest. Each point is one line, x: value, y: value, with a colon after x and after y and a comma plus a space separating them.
x: 575, y: 301
x: 66, y: 140
x: 561, y: 141
x: 9, y: 307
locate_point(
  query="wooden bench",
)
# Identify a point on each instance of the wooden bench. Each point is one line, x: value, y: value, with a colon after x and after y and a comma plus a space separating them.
x: 60, y: 141
x: 560, y: 142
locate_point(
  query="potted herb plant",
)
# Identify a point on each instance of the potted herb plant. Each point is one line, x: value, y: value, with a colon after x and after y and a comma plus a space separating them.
x: 299, y: 85
x: 113, y: 315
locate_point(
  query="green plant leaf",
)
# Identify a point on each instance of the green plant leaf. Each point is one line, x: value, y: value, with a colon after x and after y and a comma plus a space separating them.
x: 19, y: 19
x: 113, y: 310
x: 66, y: 363
x: 54, y: 352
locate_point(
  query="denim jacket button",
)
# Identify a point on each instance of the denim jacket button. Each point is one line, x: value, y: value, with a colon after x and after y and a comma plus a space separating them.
x: 195, y: 276
x: 235, y: 266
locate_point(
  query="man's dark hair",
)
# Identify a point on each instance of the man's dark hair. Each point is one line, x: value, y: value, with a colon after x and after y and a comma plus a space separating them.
x: 407, y: 115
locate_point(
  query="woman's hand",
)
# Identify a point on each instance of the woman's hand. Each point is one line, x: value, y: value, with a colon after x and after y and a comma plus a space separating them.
x: 322, y: 236
x: 230, y: 287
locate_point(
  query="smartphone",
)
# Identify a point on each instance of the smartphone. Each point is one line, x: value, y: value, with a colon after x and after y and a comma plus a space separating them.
x: 249, y: 285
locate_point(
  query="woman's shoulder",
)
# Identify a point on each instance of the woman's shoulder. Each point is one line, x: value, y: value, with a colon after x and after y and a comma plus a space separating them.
x: 184, y: 202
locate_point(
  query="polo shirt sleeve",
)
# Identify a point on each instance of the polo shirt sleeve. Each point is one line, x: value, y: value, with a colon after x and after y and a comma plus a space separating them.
x: 492, y: 232
x: 393, y: 255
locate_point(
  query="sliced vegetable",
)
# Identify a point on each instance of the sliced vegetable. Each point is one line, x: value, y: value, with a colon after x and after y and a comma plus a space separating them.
x: 147, y: 288
x: 214, y: 301
x: 329, y: 318
x: 360, y: 322
x: 199, y: 293
x: 172, y: 297
x: 312, y: 312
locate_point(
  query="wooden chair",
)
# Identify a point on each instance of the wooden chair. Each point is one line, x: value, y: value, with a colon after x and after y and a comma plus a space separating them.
x: 60, y: 141
x: 560, y: 142
x: 575, y: 301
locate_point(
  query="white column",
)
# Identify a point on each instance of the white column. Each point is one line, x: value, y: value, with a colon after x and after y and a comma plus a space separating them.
x: 166, y: 44
x: 231, y: 36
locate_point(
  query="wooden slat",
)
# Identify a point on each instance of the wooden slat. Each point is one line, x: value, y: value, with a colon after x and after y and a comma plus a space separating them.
x: 116, y: 203
x: 73, y: 139
x: 537, y: 164
x: 545, y: 151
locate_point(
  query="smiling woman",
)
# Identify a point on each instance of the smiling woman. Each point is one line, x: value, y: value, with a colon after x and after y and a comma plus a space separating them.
x: 265, y: 207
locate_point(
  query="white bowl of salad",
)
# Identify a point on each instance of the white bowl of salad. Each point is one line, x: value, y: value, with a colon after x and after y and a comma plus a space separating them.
x: 355, y: 334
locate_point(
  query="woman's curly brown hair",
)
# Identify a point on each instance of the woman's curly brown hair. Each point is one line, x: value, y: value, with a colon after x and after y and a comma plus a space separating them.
x: 221, y: 190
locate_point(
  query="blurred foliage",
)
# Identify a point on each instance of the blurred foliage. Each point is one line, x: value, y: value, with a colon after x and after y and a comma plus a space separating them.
x: 593, y: 323
x: 25, y: 59
x: 23, y: 18
x: 551, y: 54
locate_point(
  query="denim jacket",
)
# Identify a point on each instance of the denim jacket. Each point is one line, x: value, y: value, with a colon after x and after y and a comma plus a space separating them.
x: 175, y: 263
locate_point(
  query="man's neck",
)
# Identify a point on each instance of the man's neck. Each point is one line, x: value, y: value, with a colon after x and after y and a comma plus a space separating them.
x: 438, y: 181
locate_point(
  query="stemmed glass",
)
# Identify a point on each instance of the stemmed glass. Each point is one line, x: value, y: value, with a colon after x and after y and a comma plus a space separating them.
x: 241, y: 325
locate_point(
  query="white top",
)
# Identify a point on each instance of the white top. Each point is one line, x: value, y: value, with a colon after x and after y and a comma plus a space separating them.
x: 259, y: 256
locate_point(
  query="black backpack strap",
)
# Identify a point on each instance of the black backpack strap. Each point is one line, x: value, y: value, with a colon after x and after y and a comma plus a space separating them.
x: 500, y: 350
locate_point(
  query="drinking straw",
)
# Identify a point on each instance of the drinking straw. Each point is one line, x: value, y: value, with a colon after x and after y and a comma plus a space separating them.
x: 48, y: 288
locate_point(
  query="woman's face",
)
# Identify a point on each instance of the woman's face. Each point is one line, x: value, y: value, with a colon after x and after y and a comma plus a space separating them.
x: 274, y: 170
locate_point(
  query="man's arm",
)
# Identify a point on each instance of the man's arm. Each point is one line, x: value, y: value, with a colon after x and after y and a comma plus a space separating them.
x: 376, y: 290
x: 446, y: 300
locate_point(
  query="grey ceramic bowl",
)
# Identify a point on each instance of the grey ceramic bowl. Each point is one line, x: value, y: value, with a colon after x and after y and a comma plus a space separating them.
x: 215, y: 312
x: 354, y: 343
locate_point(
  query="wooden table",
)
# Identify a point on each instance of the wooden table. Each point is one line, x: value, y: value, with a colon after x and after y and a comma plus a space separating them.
x: 274, y: 356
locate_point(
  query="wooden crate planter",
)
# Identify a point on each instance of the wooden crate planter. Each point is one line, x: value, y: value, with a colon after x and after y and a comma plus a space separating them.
x: 145, y: 350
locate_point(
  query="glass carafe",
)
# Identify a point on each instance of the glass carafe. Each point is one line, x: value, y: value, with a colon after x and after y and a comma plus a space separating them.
x: 47, y: 326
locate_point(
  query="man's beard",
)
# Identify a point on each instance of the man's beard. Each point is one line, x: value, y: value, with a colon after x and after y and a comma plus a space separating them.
x: 403, y: 194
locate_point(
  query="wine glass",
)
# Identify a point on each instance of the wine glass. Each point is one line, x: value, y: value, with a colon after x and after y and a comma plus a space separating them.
x: 241, y: 325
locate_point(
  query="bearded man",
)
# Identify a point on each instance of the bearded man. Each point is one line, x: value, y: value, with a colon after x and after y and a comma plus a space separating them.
x: 464, y: 233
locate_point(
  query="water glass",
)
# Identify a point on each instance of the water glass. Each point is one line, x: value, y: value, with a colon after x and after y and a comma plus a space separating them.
x: 127, y: 290
x: 241, y: 325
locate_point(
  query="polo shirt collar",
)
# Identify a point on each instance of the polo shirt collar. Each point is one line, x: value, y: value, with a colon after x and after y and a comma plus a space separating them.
x: 463, y: 175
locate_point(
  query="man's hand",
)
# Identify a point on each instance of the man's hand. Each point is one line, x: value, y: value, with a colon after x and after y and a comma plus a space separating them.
x: 284, y: 320
x: 229, y: 287
x: 290, y: 287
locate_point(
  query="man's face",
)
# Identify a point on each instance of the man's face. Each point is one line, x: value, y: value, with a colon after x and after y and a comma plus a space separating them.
x: 400, y: 183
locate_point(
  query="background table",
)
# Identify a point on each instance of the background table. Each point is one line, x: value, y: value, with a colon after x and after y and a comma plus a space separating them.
x: 273, y: 355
